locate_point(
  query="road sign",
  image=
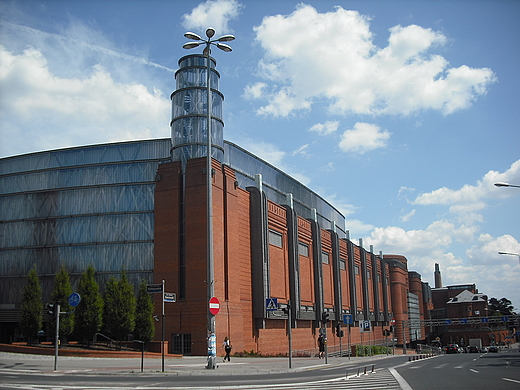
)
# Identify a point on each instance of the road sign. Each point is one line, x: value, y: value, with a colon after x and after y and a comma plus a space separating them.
x: 393, y: 321
x: 348, y: 319
x: 154, y: 288
x: 505, y: 318
x: 170, y: 297
x: 447, y: 322
x: 271, y: 304
x: 214, y: 306
x: 364, y: 326
x: 484, y: 320
x: 74, y: 299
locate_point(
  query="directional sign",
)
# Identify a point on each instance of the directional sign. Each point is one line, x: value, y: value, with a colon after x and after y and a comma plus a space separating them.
x: 484, y: 320
x: 447, y: 322
x: 348, y: 319
x: 74, y: 299
x: 271, y: 304
x: 170, y: 297
x: 505, y: 318
x: 464, y: 321
x: 214, y: 306
x: 154, y: 288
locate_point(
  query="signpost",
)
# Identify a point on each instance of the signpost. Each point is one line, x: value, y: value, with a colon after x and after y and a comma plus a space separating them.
x: 214, y: 306
x: 348, y: 319
x: 159, y: 288
x: 169, y: 297
x: 74, y: 299
x: 271, y: 304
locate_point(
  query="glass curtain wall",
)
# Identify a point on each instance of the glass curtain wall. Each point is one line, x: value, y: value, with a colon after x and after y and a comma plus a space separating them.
x: 189, y: 110
x: 91, y: 205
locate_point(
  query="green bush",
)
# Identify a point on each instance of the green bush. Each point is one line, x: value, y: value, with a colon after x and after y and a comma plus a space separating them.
x: 371, y: 350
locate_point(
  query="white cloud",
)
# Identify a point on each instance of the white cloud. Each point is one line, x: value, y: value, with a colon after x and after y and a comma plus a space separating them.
x: 326, y: 128
x: 407, y: 217
x: 352, y: 74
x: 212, y: 13
x: 274, y: 156
x: 355, y: 226
x: 254, y: 91
x: 471, y: 198
x: 301, y: 150
x: 485, y: 251
x: 38, y: 103
x: 363, y: 137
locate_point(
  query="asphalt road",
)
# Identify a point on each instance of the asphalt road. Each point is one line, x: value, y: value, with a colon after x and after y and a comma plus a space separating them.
x: 457, y: 371
x: 465, y: 371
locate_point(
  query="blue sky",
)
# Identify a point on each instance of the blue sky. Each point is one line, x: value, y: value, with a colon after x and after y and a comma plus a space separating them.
x: 401, y: 113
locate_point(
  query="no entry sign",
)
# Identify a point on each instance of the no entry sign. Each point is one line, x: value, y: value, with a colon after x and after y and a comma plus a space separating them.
x: 214, y: 306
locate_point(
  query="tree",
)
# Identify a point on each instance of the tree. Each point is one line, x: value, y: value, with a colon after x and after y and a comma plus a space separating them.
x: 144, y: 322
x: 500, y: 307
x: 119, y: 311
x: 32, y: 307
x: 60, y: 295
x: 89, y: 312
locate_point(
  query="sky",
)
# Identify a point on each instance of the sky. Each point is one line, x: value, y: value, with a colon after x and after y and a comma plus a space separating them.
x: 402, y: 114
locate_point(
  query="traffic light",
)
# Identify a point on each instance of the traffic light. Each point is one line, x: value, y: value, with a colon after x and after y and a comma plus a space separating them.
x: 339, y: 332
x: 50, y: 308
x: 324, y: 317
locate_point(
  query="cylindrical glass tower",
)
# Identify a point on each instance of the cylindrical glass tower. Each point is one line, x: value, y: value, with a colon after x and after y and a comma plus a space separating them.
x: 189, y: 110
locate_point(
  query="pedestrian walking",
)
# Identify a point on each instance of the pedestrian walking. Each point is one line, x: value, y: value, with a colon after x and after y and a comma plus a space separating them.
x: 321, y: 345
x: 227, y: 347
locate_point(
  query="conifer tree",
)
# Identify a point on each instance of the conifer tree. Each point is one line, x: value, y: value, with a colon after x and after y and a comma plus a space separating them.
x: 32, y: 307
x: 89, y: 312
x: 144, y: 322
x: 119, y: 315
x: 60, y: 295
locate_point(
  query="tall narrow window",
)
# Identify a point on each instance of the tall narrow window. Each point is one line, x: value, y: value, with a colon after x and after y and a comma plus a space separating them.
x: 275, y: 238
x: 324, y: 257
x: 303, y: 249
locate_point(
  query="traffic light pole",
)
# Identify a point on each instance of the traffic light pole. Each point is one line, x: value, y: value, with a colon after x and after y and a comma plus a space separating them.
x: 57, y: 336
x: 289, y: 330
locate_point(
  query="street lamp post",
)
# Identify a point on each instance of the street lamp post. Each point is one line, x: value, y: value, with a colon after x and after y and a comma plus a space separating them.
x: 511, y: 254
x: 506, y: 185
x: 197, y: 41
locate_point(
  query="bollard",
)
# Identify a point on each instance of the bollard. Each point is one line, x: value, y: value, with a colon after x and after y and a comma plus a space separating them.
x: 358, y: 371
x: 346, y: 375
x: 409, y: 358
x: 365, y: 372
x: 373, y: 365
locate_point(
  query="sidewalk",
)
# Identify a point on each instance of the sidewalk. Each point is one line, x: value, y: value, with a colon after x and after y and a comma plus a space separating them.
x: 178, y: 366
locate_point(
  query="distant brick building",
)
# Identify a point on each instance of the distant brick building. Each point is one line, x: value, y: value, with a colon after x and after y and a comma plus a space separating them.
x: 468, y: 311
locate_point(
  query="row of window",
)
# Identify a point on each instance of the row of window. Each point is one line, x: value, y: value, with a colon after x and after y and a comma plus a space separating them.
x: 275, y: 238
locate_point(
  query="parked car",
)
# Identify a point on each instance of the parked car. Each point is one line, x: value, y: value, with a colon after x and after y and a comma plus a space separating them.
x: 452, y: 348
x: 493, y: 348
x: 484, y: 349
x: 473, y: 349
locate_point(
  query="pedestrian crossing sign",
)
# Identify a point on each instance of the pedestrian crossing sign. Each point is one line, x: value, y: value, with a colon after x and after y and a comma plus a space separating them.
x: 271, y: 304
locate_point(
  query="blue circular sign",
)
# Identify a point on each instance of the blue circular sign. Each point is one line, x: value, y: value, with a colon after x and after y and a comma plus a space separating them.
x: 74, y: 299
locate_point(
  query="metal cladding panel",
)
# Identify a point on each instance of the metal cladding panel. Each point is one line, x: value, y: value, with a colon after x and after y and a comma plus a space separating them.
x: 276, y: 184
x: 78, y: 207
x: 86, y: 155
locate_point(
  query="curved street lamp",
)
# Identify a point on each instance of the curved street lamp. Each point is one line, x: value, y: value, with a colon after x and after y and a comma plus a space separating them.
x: 506, y: 185
x: 511, y: 254
x: 197, y: 41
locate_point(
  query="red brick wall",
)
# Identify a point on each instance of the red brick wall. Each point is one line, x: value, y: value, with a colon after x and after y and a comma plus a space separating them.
x: 232, y: 257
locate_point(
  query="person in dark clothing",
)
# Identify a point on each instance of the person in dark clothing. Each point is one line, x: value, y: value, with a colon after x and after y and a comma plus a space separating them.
x: 227, y: 347
x: 321, y: 345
